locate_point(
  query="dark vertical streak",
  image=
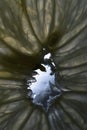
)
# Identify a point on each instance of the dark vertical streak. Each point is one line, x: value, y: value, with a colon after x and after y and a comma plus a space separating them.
x: 28, y: 18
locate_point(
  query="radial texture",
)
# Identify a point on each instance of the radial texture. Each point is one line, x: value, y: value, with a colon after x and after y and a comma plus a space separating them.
x: 26, y: 27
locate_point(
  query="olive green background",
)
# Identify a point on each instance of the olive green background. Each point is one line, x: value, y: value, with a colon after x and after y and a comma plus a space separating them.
x: 26, y: 26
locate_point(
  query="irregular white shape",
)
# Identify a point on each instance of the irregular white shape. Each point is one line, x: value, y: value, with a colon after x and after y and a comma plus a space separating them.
x: 47, y: 56
x: 43, y: 86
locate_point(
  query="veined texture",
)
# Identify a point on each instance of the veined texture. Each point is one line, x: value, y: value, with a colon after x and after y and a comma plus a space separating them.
x: 26, y: 27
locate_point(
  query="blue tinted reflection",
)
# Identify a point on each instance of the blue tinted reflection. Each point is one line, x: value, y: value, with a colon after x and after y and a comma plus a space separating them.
x: 42, y: 86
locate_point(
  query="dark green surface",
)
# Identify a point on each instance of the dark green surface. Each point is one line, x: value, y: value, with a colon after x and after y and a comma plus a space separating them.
x: 26, y: 26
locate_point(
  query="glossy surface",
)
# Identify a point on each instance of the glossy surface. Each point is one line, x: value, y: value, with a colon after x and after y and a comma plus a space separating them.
x: 26, y: 26
x: 42, y: 87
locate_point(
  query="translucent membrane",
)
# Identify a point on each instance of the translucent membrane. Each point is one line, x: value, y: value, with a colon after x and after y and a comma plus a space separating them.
x: 42, y: 87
